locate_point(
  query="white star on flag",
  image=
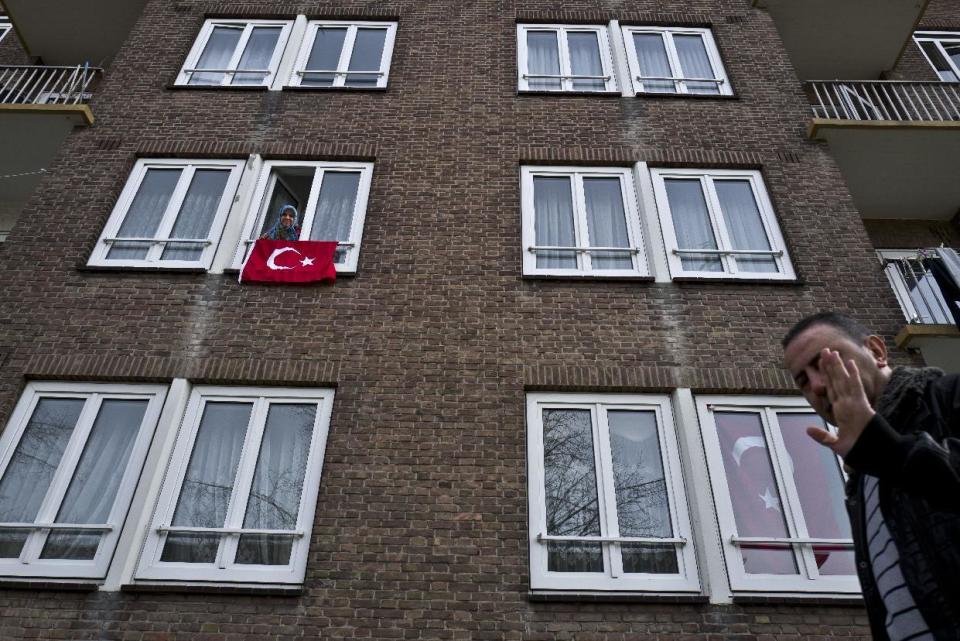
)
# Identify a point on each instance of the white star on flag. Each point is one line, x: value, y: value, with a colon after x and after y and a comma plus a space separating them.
x: 306, y: 261
x: 769, y: 500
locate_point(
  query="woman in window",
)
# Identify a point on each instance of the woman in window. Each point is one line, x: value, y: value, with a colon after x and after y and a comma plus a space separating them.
x: 286, y: 227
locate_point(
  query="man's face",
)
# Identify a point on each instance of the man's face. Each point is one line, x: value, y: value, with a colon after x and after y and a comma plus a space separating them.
x: 802, y: 360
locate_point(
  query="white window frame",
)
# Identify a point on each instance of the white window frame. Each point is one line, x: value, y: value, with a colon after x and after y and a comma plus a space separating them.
x: 339, y: 81
x: 631, y: 207
x: 264, y: 188
x: 902, y: 290
x: 29, y: 564
x: 613, y: 578
x: 606, y: 57
x: 159, y: 241
x: 679, y: 82
x: 707, y: 177
x: 5, y: 28
x: 808, y: 580
x: 938, y: 38
x: 152, y: 568
x: 189, y: 65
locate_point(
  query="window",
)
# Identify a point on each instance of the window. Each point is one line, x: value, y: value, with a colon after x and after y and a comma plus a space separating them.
x: 916, y: 288
x: 345, y: 54
x: 235, y: 53
x: 607, y: 504
x: 238, y: 498
x: 564, y: 58
x: 69, y: 460
x: 779, y: 496
x: 942, y: 50
x: 330, y: 197
x: 169, y: 215
x: 719, y: 224
x: 675, y: 60
x: 4, y: 27
x: 581, y: 221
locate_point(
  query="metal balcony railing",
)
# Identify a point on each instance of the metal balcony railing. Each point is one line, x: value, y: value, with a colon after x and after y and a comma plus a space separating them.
x: 889, y: 100
x: 46, y: 85
x: 916, y: 288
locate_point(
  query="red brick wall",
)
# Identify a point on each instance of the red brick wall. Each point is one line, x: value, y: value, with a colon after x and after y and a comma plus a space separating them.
x: 421, y: 527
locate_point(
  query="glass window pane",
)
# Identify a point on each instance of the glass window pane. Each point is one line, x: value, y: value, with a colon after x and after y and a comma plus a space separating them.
x: 570, y: 481
x: 145, y: 214
x: 553, y: 221
x: 607, y: 222
x: 820, y: 486
x: 256, y: 55
x: 757, y: 508
x: 91, y: 494
x: 953, y: 53
x: 274, y: 501
x: 653, y: 62
x: 366, y: 56
x: 543, y: 58
x: 335, y: 209
x: 744, y: 225
x: 196, y: 215
x: 939, y: 62
x: 585, y: 60
x: 208, y: 483
x: 643, y: 507
x: 216, y: 55
x: 324, y: 56
x: 32, y: 466
x: 695, y: 63
x: 691, y: 224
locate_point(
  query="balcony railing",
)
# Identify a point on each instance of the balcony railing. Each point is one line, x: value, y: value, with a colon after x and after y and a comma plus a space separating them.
x: 916, y: 288
x: 888, y: 100
x: 43, y: 85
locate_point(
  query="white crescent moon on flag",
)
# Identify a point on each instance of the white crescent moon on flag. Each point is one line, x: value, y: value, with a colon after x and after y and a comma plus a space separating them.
x: 744, y: 443
x: 276, y: 252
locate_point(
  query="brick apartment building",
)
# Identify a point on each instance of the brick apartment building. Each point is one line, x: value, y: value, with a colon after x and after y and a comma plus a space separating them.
x: 543, y: 399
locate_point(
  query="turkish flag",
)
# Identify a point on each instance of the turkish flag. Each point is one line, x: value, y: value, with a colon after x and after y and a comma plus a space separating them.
x: 290, y: 261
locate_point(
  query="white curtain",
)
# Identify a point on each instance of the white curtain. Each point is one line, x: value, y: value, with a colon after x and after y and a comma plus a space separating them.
x: 196, y: 214
x: 257, y: 55
x: 653, y: 61
x: 274, y: 501
x: 606, y: 222
x: 216, y: 55
x: 543, y: 57
x: 92, y: 491
x: 325, y: 54
x: 208, y: 484
x: 145, y: 213
x: 585, y: 60
x: 335, y: 207
x: 695, y: 63
x: 553, y: 221
x: 366, y: 56
x: 643, y: 506
x: 744, y: 224
x: 691, y: 224
x: 28, y: 475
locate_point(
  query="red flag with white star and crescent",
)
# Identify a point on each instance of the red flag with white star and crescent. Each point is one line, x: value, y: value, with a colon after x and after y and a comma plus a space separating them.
x: 290, y: 261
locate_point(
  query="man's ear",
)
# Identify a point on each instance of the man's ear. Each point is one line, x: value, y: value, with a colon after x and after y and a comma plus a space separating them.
x: 878, y: 349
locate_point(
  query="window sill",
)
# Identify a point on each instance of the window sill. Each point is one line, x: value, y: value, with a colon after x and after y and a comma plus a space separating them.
x: 141, y: 269
x: 589, y: 277
x: 336, y: 89
x: 176, y: 87
x: 789, y: 282
x: 215, y: 588
x: 545, y: 596
x: 840, y: 600
x: 48, y: 584
x: 686, y: 96
x: 581, y: 94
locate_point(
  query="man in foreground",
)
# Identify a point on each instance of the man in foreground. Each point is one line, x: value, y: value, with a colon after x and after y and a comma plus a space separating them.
x: 898, y: 430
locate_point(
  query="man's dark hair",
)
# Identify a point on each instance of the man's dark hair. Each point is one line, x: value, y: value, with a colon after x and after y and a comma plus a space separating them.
x: 851, y: 328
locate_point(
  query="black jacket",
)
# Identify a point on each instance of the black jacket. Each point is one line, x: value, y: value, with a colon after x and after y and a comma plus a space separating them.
x: 912, y: 446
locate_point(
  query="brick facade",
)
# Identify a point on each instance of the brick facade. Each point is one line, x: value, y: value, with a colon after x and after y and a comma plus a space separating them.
x: 421, y: 528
